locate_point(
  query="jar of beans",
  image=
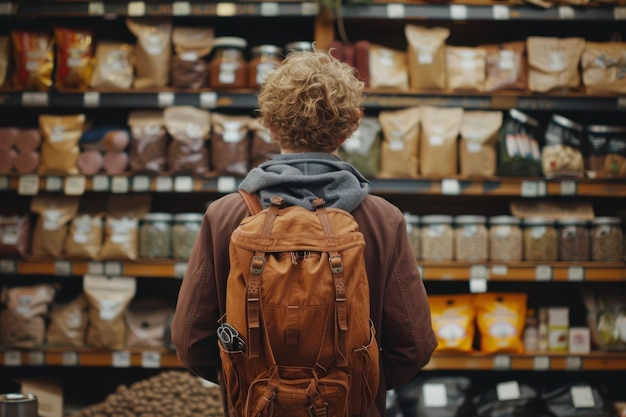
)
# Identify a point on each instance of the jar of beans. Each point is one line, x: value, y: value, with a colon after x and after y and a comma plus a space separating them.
x: 471, y: 239
x: 155, y: 238
x: 607, y: 239
x: 414, y: 232
x: 574, y: 241
x: 540, y: 240
x: 437, y: 238
x: 184, y: 233
x: 505, y: 239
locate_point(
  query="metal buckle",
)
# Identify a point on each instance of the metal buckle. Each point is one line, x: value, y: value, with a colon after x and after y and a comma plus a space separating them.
x: 335, y: 264
x: 257, y: 265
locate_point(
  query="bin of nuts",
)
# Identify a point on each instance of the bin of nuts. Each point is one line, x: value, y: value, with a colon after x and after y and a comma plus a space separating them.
x: 606, y: 239
x: 573, y: 243
x: 505, y: 239
x: 540, y: 240
x: 437, y: 238
x: 471, y: 238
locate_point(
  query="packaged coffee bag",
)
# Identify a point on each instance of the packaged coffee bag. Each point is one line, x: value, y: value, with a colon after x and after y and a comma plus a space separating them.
x: 189, y: 128
x: 192, y: 45
x: 553, y: 63
x: 68, y: 323
x: 399, y: 150
x: 427, y: 57
x: 74, y: 58
x: 507, y: 66
x: 114, y: 66
x: 55, y: 212
x: 388, y: 68
x: 15, y: 235
x: 478, y: 147
x: 4, y: 59
x: 146, y: 321
x: 121, y: 236
x: 438, y: 144
x: 86, y: 230
x: 153, y: 51
x: 263, y: 146
x: 60, y: 150
x: 466, y: 68
x: 148, y: 145
x: 230, y: 152
x: 362, y: 149
x: 34, y: 59
x: 604, y: 67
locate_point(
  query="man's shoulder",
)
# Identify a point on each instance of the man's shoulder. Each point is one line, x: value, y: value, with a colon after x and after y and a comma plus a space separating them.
x: 376, y: 205
x: 230, y: 204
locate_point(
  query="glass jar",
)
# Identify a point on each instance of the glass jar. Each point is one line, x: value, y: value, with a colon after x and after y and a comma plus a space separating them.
x: 185, y: 230
x: 574, y: 241
x: 600, y: 141
x: 540, y: 240
x: 505, y: 239
x: 414, y: 232
x: 299, y: 46
x: 437, y: 238
x: 264, y: 59
x: 228, y: 68
x: 607, y: 239
x: 471, y: 239
x: 155, y: 236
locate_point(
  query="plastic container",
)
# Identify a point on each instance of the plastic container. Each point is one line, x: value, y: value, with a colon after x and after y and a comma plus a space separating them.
x: 155, y: 237
x: 264, y: 59
x: 540, y: 240
x: 574, y: 240
x: 505, y: 239
x: 607, y: 239
x: 228, y: 67
x: 471, y: 239
x: 185, y: 230
x: 437, y: 238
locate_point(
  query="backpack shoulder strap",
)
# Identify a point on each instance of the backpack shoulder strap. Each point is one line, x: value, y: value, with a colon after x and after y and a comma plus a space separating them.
x: 252, y: 202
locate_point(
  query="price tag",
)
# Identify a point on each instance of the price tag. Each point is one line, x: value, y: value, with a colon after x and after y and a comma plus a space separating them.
x: 478, y: 285
x: 226, y: 184
x: 8, y: 266
x: 141, y: 183
x: 619, y: 13
x: 450, y: 187
x: 621, y: 103
x: 576, y: 273
x: 529, y: 189
x: 5, y: 183
x: 500, y: 12
x: 209, y: 100
x: 507, y: 391
x: 582, y: 397
x: 34, y: 99
x: 568, y: 187
x: 164, y: 184
x: 112, y: 268
x: 541, y: 363
x: 120, y: 359
x: 181, y: 8
x: 543, y: 273
x: 28, y: 185
x: 166, y: 99
x: 119, y: 185
x: 435, y: 395
x: 91, y: 99
x: 136, y: 8
x: 12, y: 358
x: 542, y: 188
x: 310, y: 9
x: 573, y: 363
x: 69, y: 359
x: 269, y: 9
x: 6, y: 9
x: 183, y: 184
x: 501, y: 270
x: 502, y: 363
x: 36, y: 358
x: 395, y: 11
x: 54, y: 184
x: 150, y: 359
x: 100, y: 183
x: 226, y: 9
x: 62, y: 268
x: 566, y: 12
x: 96, y: 8
x: 458, y: 12
x: 75, y: 185
x: 179, y: 269
x: 479, y: 272
x: 95, y: 268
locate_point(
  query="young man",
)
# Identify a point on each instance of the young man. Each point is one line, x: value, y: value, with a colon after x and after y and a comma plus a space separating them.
x: 311, y: 103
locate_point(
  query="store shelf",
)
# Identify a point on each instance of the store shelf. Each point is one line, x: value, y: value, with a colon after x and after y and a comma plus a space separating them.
x: 55, y: 356
x: 596, y: 361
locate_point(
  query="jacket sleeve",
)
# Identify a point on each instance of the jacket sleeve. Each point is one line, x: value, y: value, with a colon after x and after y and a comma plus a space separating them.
x: 408, y: 339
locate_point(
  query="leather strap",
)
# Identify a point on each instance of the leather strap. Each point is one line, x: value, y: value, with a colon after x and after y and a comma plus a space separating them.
x: 252, y: 202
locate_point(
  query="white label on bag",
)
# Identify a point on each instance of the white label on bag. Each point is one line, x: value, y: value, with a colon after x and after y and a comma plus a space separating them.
x: 508, y: 391
x: 435, y: 395
x: 150, y: 359
x: 120, y: 359
x: 181, y: 8
x: 582, y: 397
x: 395, y: 11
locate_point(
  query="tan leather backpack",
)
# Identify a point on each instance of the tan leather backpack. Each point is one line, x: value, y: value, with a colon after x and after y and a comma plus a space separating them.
x: 297, y: 339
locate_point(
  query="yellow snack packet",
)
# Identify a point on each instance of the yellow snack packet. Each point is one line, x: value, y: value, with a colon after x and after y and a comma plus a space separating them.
x: 453, y: 321
x: 500, y: 318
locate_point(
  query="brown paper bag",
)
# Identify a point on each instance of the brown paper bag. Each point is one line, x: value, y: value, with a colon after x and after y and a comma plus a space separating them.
x: 148, y: 146
x: 55, y: 212
x: 388, y: 68
x: 466, y: 68
x: 60, y: 150
x: 263, y: 146
x: 230, y: 144
x: 68, y: 323
x: 399, y: 151
x: 507, y: 66
x: 153, y: 51
x: 189, y: 128
x: 553, y: 63
x: 427, y: 57
x: 438, y: 144
x: 604, y: 67
x: 4, y: 58
x: 86, y: 231
x: 114, y: 67
x: 479, y: 138
x: 192, y: 45
x: 122, y: 226
x: 146, y: 321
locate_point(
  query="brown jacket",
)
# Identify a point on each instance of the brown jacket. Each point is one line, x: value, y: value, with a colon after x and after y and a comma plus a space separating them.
x: 399, y: 306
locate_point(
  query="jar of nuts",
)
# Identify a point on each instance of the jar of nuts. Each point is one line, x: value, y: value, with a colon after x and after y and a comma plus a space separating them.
x: 155, y: 236
x: 437, y: 238
x: 607, y: 239
x: 574, y: 241
x: 185, y: 230
x: 505, y: 239
x: 414, y: 232
x: 471, y: 238
x: 540, y: 240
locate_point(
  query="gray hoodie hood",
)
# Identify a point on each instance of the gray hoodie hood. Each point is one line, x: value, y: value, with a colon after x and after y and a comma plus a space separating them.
x: 301, y: 177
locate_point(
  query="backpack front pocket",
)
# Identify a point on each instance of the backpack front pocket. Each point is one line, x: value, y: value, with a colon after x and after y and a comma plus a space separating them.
x: 365, y: 372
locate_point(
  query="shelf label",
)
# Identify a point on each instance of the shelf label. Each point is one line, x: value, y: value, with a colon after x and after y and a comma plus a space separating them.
x: 141, y: 183
x: 500, y: 270
x: 269, y: 9
x: 136, y: 8
x: 566, y: 12
x: 541, y: 363
x: 150, y: 359
x: 582, y: 397
x: 479, y: 272
x: 529, y: 189
x: 502, y: 363
x: 28, y: 185
x: 209, y: 100
x: 6, y: 8
x: 120, y: 359
x: 458, y: 12
x: 508, y: 391
x: 181, y: 8
x: 75, y: 185
x: 180, y: 268
x: 576, y: 273
x: 164, y: 184
x: 621, y: 103
x: 119, y: 185
x: 12, y: 358
x: 573, y: 363
x: 543, y: 273
x: 96, y: 8
x: 478, y: 285
x: 542, y: 188
x: 568, y: 187
x: 36, y: 358
x: 226, y: 184
x: 62, y: 268
x: 183, y: 184
x: 500, y: 12
x: 69, y: 359
x: 8, y: 266
x: 5, y: 183
x: 165, y: 99
x: 112, y: 268
x: 54, y: 184
x: 395, y: 11
x: 95, y: 268
x: 34, y: 99
x: 226, y: 9
x: 91, y: 99
x: 100, y: 183
x: 450, y: 187
x: 435, y: 395
x: 309, y: 9
x: 619, y: 13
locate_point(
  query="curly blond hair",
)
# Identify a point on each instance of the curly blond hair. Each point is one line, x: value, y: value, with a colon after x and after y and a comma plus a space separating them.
x: 311, y: 102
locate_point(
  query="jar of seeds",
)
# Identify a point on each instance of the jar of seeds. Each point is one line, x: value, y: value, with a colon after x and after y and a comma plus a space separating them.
x: 437, y: 238
x: 185, y: 230
x: 471, y: 238
x: 505, y: 239
x: 574, y: 241
x: 607, y: 239
x: 540, y: 240
x: 155, y: 237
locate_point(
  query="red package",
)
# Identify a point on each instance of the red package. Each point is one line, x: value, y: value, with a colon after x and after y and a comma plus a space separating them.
x: 34, y: 58
x: 75, y: 60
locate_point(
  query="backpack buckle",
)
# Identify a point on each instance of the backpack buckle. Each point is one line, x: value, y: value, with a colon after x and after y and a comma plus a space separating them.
x: 335, y: 264
x: 256, y: 267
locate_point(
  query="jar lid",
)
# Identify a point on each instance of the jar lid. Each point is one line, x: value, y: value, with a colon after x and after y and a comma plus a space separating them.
x: 437, y: 219
x: 299, y: 46
x: 523, y: 117
x: 17, y: 398
x: 504, y: 220
x: 470, y: 219
x: 188, y: 217
x: 267, y: 49
x: 538, y: 221
x: 560, y: 120
x: 230, y: 42
x: 607, y: 220
x: 572, y: 222
x: 158, y: 217
x: 411, y: 218
x: 606, y: 129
